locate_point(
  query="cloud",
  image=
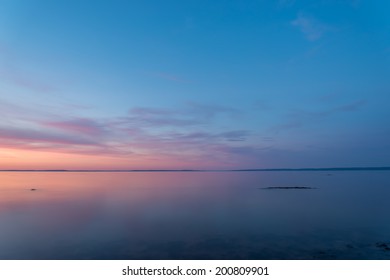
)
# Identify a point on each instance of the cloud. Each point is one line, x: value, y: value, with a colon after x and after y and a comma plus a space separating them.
x: 245, y: 150
x: 299, y: 118
x: 198, y: 148
x: 16, y: 77
x: 11, y: 73
x: 35, y: 127
x: 144, y: 116
x: 353, y: 106
x: 230, y: 136
x: 33, y: 137
x: 189, y: 138
x: 186, y: 136
x: 50, y: 141
x: 349, y: 107
x: 311, y: 28
x: 192, y: 149
x: 11, y: 111
x: 261, y: 105
x: 191, y: 114
x: 237, y: 135
x: 78, y: 125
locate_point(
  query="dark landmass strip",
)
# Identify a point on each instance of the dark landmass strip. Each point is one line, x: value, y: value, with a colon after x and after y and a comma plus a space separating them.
x: 288, y: 188
x: 203, y: 170
x: 319, y: 169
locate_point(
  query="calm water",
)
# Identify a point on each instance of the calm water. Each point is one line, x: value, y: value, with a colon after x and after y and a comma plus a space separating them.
x: 195, y: 215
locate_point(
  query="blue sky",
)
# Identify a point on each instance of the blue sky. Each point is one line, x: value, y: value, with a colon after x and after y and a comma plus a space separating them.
x: 194, y: 84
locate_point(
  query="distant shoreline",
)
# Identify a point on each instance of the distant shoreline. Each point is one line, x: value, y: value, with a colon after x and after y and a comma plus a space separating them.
x: 203, y: 170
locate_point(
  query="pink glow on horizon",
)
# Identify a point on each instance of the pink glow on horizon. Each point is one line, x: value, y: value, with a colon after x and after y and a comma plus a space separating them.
x: 35, y: 159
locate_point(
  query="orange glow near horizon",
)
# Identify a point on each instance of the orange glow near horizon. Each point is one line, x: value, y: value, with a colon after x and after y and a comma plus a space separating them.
x: 35, y: 159
x: 27, y: 159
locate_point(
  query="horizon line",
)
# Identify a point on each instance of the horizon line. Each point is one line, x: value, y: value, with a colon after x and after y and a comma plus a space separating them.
x: 202, y: 170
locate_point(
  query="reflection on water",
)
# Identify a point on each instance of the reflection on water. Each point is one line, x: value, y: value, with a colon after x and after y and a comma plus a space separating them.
x: 195, y: 215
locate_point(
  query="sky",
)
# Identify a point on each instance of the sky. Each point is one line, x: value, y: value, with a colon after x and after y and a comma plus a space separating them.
x: 194, y: 84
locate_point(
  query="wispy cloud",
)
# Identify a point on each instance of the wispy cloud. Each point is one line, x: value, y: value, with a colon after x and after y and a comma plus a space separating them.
x: 190, y: 115
x: 34, y: 128
x: 35, y: 137
x: 219, y: 149
x: 299, y: 118
x: 11, y: 74
x: 144, y: 116
x: 186, y: 136
x: 78, y: 125
x: 311, y: 28
x: 9, y: 111
x: 206, y: 137
x: 353, y: 106
x: 54, y: 141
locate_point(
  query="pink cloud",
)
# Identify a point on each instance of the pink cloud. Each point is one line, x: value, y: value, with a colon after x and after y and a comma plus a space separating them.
x: 31, y: 136
x: 136, y: 137
x: 78, y: 125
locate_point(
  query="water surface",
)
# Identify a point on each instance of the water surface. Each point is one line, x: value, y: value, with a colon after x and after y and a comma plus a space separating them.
x: 195, y: 215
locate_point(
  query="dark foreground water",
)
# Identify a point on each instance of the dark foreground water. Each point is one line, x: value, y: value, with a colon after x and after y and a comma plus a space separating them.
x: 195, y: 215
